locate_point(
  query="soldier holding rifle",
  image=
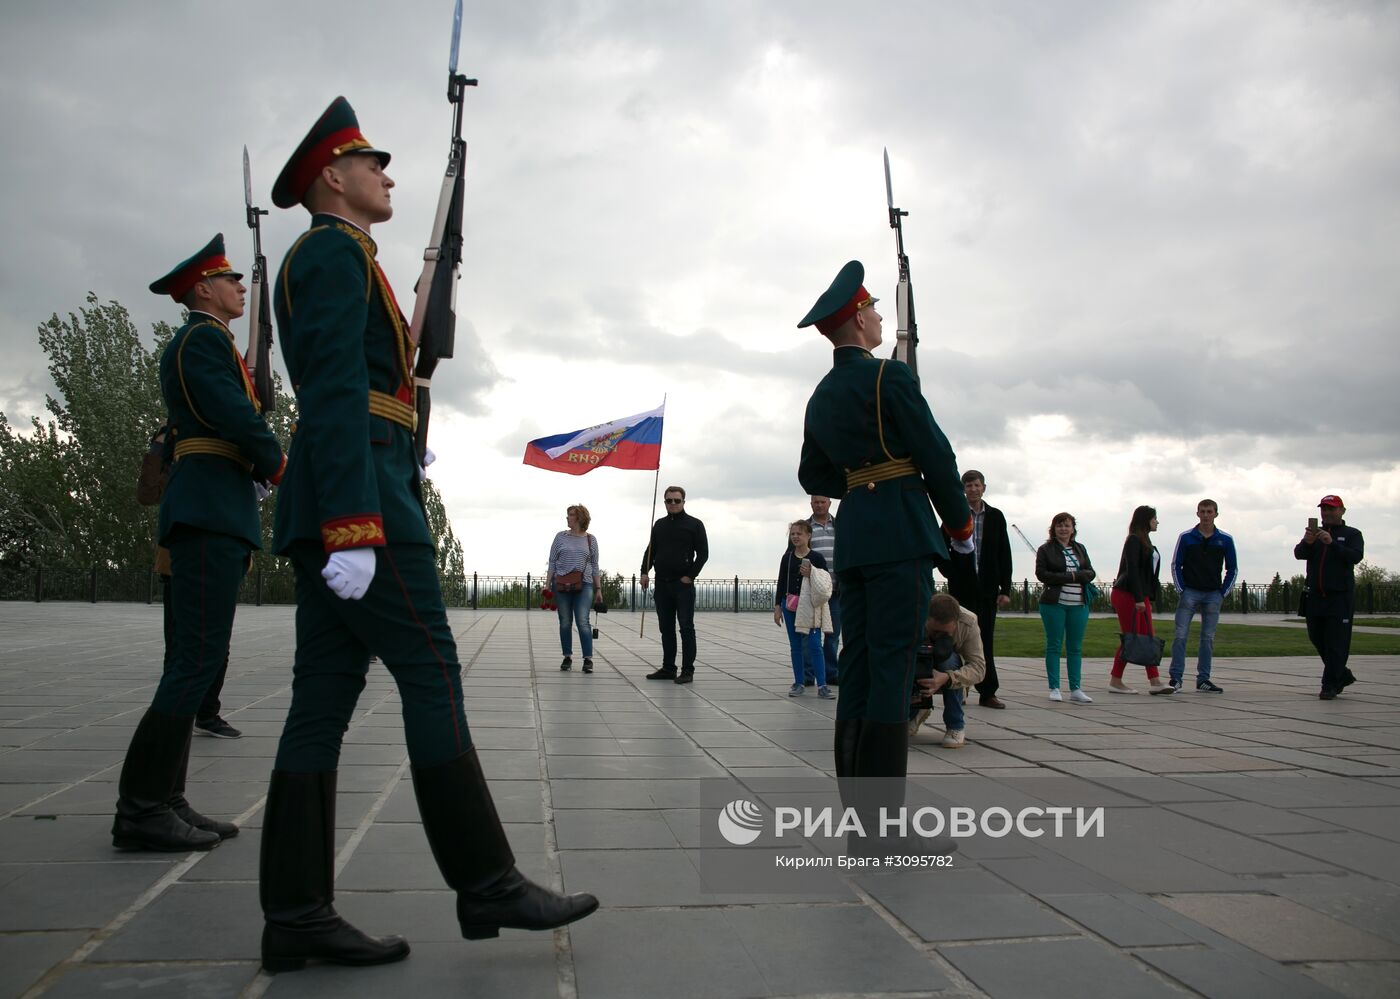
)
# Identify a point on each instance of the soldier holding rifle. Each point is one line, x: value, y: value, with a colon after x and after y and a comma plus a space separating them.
x: 869, y: 438
x: 225, y: 459
x: 351, y: 520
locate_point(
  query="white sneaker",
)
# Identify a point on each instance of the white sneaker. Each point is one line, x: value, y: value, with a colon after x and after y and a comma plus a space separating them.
x: 1055, y: 694
x: 953, y: 739
x: 1079, y: 697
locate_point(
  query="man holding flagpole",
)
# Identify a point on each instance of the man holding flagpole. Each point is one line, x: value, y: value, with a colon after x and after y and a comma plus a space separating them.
x: 869, y: 438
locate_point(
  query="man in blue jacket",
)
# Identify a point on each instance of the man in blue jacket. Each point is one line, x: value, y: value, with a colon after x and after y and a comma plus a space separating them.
x: 1202, y: 554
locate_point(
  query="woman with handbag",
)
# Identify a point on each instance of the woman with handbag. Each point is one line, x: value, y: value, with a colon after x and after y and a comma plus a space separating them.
x: 799, y: 565
x: 1063, y: 566
x: 573, y: 575
x: 1134, y: 590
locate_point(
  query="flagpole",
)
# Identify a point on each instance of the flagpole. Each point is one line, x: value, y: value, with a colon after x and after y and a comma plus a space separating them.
x: 654, y: 484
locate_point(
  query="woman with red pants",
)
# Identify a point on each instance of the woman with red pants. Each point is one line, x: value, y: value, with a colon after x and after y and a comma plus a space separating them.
x: 1133, y: 592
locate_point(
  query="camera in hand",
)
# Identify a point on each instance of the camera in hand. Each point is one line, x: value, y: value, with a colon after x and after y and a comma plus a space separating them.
x: 936, y: 656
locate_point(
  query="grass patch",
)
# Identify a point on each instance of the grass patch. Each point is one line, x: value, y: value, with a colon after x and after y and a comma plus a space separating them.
x: 1024, y: 636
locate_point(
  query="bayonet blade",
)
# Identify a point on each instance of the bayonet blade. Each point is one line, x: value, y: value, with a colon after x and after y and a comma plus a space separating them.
x: 456, y: 39
x: 247, y: 181
x: 889, y: 188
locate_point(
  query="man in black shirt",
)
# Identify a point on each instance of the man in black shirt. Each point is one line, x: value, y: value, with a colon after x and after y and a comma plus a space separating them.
x: 678, y: 550
x: 981, y: 579
x: 1331, y: 551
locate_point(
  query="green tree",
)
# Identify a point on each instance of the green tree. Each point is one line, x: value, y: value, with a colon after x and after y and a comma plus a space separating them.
x: 67, y: 487
x: 74, y: 476
x: 38, y: 512
x: 1373, y: 574
x: 451, y: 561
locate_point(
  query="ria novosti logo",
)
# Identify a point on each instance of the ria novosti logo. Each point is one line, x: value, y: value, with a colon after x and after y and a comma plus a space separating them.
x: 741, y: 822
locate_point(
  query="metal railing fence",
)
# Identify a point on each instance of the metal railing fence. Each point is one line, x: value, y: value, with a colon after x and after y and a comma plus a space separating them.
x: 733, y: 594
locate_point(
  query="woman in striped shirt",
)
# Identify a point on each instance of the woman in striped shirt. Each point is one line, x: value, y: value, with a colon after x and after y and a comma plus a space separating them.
x: 574, y: 551
x: 1062, y: 566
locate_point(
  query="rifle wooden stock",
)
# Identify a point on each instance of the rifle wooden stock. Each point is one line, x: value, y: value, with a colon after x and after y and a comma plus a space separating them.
x: 433, y: 329
x: 258, y: 356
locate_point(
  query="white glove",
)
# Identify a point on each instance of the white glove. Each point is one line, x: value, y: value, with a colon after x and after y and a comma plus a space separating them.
x: 965, y: 546
x: 428, y: 459
x: 261, y: 491
x: 348, y: 573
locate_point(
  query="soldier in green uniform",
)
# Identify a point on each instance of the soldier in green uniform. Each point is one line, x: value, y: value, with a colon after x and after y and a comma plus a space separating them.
x: 350, y: 517
x: 868, y: 437
x: 225, y: 459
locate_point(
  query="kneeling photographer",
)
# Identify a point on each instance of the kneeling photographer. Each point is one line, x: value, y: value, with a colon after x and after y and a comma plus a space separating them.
x: 950, y: 662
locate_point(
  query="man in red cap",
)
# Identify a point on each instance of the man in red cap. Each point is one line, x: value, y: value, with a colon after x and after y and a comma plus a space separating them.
x: 869, y: 438
x: 350, y: 519
x: 224, y: 460
x: 1331, y: 550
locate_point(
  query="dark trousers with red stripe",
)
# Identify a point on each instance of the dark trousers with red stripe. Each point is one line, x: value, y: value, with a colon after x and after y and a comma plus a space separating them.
x: 206, y: 573
x: 883, y: 609
x: 401, y: 620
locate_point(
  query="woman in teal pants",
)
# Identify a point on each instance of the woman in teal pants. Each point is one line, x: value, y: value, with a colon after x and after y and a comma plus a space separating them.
x: 1064, y: 570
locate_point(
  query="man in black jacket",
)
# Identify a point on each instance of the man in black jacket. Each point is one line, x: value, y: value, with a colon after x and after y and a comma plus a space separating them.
x: 678, y: 550
x: 1331, y: 551
x: 981, y: 580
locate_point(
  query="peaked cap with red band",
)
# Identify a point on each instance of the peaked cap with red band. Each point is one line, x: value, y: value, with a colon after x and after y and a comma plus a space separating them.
x: 845, y: 297
x: 335, y: 134
x: 208, y: 262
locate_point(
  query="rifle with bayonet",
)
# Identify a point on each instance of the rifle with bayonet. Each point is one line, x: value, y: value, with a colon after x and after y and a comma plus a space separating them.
x: 258, y: 356
x: 907, y: 329
x: 434, y: 325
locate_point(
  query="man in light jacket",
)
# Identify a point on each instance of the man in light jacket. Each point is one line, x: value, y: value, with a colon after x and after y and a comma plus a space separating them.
x: 955, y: 636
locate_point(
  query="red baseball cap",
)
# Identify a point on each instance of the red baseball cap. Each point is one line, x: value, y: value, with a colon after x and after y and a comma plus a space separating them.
x: 1332, y: 501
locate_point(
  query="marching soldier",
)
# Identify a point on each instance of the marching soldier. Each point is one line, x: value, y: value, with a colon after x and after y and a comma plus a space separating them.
x: 350, y: 517
x: 869, y: 438
x: 225, y: 459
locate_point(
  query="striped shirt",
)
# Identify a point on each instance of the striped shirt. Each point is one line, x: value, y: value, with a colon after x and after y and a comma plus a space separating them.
x: 824, y: 538
x: 572, y: 552
x: 1071, y: 594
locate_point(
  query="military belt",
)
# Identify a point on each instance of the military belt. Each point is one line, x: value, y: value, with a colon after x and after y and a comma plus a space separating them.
x: 883, y: 472
x: 385, y: 405
x: 211, y: 445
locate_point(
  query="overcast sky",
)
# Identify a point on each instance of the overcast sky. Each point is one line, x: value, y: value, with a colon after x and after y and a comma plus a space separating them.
x: 1153, y: 244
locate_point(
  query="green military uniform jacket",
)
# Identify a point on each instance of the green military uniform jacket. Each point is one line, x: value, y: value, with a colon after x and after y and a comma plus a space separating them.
x: 352, y: 475
x: 867, y: 412
x: 220, y: 441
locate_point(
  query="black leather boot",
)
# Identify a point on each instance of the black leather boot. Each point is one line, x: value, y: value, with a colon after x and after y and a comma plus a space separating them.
x: 144, y: 819
x: 182, y: 808
x: 475, y: 858
x: 296, y: 881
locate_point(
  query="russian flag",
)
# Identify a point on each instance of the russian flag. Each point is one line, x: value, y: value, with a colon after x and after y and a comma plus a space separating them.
x: 631, y: 442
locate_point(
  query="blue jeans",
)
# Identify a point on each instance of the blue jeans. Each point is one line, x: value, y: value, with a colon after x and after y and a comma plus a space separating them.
x: 1208, y: 601
x: 810, y: 644
x: 953, y: 710
x: 829, y: 644
x: 953, y: 718
x: 573, y: 609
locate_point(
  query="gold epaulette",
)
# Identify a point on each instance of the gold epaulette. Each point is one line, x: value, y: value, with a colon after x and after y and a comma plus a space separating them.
x: 886, y: 470
x: 211, y: 445
x: 385, y: 405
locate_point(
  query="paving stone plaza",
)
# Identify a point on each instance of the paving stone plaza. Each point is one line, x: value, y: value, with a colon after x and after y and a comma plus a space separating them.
x: 1251, y: 847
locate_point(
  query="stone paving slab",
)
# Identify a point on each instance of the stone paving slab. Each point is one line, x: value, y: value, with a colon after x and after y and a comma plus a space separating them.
x: 1249, y: 847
